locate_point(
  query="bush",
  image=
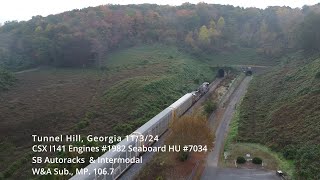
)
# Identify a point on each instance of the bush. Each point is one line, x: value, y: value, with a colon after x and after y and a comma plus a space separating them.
x: 91, y: 115
x: 159, y: 178
x: 6, y: 79
x: 289, y: 152
x: 257, y: 160
x: 209, y: 107
x: 241, y: 160
x: 82, y: 124
x: 190, y: 129
x: 123, y: 129
x: 183, y: 156
x: 317, y: 75
x: 307, y: 162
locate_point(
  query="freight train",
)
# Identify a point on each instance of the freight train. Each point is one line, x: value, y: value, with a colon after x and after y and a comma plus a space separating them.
x: 155, y: 127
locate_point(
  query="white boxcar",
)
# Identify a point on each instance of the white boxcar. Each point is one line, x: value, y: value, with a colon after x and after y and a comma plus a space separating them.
x: 182, y: 105
x: 155, y: 126
x: 119, y: 168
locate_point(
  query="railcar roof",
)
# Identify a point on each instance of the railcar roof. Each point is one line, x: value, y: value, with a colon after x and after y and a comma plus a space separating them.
x: 152, y: 121
x: 181, y: 100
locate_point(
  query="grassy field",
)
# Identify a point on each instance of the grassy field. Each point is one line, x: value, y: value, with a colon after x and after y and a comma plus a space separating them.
x: 240, y: 56
x: 171, y: 74
x: 282, y: 111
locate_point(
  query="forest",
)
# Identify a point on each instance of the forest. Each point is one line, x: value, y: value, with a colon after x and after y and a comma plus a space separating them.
x: 83, y: 38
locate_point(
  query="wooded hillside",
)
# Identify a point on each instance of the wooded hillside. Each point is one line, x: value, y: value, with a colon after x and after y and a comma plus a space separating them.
x: 84, y: 37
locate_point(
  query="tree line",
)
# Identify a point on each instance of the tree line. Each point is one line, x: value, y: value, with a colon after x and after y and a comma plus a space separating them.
x: 81, y: 38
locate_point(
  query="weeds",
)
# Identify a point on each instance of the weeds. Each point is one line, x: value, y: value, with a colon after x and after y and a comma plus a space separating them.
x: 7, y: 79
x: 209, y: 107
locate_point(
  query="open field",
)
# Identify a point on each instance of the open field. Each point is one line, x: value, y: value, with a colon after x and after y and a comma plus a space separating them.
x: 241, y: 56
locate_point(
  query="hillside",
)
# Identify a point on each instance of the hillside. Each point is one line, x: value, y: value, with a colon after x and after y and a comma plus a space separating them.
x: 159, y: 75
x: 282, y: 110
x: 92, y: 101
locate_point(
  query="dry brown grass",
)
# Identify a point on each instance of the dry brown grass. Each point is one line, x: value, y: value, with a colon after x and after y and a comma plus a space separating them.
x: 188, y: 130
x: 191, y: 130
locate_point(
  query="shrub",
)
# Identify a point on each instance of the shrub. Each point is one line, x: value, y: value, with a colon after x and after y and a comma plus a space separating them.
x: 317, y: 75
x: 257, y: 160
x: 196, y: 81
x: 82, y: 124
x: 209, y: 107
x: 190, y: 129
x: 307, y: 161
x: 183, y: 156
x: 91, y: 115
x: 123, y: 129
x: 241, y: 160
x: 289, y: 152
x: 6, y: 79
x: 159, y: 178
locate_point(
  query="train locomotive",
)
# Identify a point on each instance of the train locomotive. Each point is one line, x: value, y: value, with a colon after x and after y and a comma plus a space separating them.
x: 157, y: 126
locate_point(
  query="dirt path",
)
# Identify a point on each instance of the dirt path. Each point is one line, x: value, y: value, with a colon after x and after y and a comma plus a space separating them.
x: 28, y: 70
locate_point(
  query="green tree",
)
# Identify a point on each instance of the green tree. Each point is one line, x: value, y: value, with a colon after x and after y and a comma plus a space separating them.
x: 6, y: 79
x: 212, y: 24
x: 38, y: 29
x: 212, y: 30
x: 189, y: 39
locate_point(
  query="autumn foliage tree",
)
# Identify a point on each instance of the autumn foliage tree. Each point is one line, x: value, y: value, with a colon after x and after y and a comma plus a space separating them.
x: 191, y: 130
x: 197, y: 28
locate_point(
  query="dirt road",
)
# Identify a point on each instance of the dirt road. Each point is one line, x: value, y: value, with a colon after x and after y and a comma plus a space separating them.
x: 28, y: 70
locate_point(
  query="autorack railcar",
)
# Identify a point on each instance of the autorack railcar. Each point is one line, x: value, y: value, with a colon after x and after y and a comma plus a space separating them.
x: 157, y: 126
